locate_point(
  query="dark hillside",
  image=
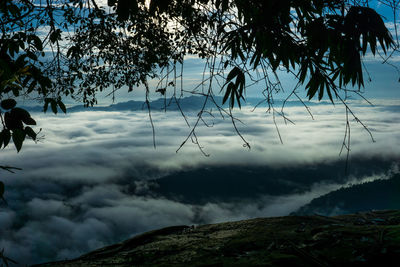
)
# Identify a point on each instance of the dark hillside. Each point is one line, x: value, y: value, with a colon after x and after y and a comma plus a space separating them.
x: 365, y: 239
x: 203, y: 185
x: 379, y: 194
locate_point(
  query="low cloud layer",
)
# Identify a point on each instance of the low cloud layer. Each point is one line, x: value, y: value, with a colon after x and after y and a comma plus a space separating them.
x: 72, y: 195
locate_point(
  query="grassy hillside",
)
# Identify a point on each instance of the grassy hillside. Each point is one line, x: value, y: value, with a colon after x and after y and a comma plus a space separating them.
x: 364, y: 239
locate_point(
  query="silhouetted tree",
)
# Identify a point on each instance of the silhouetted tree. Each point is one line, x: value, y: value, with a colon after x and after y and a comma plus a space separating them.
x: 54, y: 49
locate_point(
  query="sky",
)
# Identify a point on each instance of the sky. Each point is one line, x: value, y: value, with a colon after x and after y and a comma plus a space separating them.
x: 88, y: 181
x: 384, y: 83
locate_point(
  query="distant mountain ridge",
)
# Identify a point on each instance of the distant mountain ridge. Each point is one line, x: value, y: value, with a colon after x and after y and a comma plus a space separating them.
x: 191, y: 103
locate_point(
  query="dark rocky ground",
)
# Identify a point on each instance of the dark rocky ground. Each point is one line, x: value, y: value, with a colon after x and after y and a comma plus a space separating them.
x: 362, y: 239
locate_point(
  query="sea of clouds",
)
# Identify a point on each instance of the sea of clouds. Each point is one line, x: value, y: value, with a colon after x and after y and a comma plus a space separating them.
x: 71, y: 196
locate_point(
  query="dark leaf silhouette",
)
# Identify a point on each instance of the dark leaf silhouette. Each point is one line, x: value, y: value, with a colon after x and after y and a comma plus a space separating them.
x: 8, y: 103
x: 18, y: 137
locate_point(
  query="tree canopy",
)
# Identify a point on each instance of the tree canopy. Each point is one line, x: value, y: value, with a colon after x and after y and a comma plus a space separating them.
x: 56, y: 49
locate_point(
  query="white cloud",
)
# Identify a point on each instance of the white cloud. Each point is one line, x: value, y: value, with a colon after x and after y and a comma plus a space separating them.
x: 73, y: 194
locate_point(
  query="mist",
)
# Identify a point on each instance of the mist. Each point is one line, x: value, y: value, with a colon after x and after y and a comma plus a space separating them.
x: 92, y: 178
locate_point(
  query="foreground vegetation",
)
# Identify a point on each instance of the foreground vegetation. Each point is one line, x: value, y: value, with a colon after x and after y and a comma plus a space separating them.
x: 362, y: 239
